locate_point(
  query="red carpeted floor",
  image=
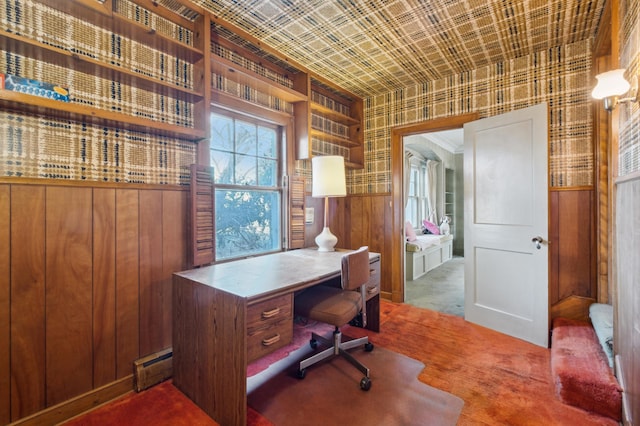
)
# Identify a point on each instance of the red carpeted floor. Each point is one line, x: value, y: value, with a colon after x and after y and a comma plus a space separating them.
x: 162, y: 405
x: 502, y: 380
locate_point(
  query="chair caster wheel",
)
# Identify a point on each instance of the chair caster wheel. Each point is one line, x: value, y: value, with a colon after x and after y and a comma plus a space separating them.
x: 365, y: 384
x: 368, y: 347
x: 301, y: 374
x: 313, y: 343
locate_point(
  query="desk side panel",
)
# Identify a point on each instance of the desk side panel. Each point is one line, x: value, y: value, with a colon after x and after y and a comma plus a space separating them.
x: 209, y: 349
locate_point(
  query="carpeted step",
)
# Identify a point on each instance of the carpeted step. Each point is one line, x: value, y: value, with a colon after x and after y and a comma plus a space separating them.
x: 580, y: 369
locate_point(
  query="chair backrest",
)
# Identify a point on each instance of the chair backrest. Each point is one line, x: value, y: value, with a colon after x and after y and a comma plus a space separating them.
x: 355, y: 269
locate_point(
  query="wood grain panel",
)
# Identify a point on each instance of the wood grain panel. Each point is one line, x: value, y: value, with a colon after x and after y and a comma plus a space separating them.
x: 151, y: 294
x: 554, y: 231
x: 174, y: 252
x: 198, y: 335
x: 339, y: 220
x: 104, y: 286
x: 573, y: 232
x: 387, y: 260
x: 69, y: 333
x: 376, y: 224
x: 27, y: 300
x: 127, y: 281
x: 366, y: 220
x: 359, y: 216
x: 5, y: 299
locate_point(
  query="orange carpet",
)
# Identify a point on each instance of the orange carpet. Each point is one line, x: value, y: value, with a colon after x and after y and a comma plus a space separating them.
x: 330, y: 394
x: 161, y: 405
x: 502, y: 380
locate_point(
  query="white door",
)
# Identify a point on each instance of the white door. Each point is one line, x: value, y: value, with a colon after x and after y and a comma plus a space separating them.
x: 505, y: 215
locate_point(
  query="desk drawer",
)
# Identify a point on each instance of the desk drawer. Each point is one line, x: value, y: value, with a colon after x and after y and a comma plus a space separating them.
x: 269, y: 311
x: 269, y: 326
x: 373, y: 286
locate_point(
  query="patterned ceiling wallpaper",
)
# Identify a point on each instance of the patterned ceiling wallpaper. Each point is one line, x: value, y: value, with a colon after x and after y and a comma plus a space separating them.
x: 560, y: 77
x: 413, y: 61
x: 373, y: 47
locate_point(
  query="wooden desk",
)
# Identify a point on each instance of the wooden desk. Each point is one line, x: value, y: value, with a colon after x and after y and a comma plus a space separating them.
x: 226, y: 315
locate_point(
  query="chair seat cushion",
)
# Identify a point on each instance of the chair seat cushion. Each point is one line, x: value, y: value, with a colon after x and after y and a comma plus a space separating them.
x: 328, y: 304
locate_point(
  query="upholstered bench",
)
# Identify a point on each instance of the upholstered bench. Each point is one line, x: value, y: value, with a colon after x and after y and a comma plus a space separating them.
x: 581, y: 371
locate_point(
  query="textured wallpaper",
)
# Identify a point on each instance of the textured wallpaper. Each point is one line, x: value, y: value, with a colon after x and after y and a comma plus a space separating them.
x: 46, y: 147
x: 559, y: 76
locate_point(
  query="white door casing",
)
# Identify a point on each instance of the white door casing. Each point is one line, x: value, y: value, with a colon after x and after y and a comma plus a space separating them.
x: 505, y: 209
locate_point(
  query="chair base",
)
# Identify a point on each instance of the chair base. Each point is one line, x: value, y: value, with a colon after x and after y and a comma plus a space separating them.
x: 338, y: 348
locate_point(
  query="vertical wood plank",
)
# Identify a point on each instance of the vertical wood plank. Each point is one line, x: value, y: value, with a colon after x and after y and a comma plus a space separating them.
x: 127, y: 281
x: 376, y: 223
x: 151, y: 305
x: 359, y: 221
x: 386, y: 258
x: 174, y: 250
x: 5, y: 299
x: 338, y: 221
x: 575, y: 250
x: 104, y: 286
x: 69, y: 335
x: 554, y: 247
x: 27, y: 300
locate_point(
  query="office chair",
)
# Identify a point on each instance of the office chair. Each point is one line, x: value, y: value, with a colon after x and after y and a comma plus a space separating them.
x: 338, y: 306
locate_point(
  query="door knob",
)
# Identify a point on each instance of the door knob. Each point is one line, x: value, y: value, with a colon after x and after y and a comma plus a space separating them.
x: 538, y: 242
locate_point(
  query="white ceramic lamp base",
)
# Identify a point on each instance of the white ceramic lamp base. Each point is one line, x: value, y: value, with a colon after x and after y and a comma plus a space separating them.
x: 326, y: 241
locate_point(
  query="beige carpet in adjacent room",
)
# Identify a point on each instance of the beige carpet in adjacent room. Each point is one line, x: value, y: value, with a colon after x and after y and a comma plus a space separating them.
x: 441, y: 289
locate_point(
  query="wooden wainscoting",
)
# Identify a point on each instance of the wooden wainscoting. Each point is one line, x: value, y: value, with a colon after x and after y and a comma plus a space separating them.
x: 572, y: 267
x: 366, y: 220
x: 359, y: 220
x: 85, y: 285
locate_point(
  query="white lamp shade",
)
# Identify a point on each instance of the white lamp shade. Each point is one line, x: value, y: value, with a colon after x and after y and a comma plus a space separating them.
x: 328, y: 176
x: 610, y: 83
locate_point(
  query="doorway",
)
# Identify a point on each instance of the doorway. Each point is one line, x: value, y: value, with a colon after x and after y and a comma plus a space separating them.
x: 397, y: 163
x: 433, y: 177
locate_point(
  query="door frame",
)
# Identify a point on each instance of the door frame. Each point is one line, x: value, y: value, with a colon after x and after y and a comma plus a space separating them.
x: 397, y: 190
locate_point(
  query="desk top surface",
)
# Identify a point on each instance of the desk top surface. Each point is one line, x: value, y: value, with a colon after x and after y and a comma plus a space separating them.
x: 262, y: 276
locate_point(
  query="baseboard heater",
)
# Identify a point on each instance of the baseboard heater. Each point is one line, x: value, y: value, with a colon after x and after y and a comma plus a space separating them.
x: 152, y: 369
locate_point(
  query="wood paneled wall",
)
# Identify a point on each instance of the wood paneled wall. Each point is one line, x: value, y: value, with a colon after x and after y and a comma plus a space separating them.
x: 85, y: 285
x: 365, y: 220
x: 572, y: 267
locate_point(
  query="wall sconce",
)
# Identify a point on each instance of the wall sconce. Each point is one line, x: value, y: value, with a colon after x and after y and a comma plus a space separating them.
x: 611, y: 85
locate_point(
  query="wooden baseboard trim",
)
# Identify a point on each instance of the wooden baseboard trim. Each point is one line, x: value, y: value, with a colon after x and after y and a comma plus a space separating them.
x: 78, y: 405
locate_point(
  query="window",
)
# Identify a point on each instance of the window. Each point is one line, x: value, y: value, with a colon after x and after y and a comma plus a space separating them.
x: 416, y: 209
x: 246, y: 158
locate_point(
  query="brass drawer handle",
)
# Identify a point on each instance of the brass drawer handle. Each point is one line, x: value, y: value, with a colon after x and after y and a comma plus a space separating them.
x: 271, y: 313
x: 271, y: 340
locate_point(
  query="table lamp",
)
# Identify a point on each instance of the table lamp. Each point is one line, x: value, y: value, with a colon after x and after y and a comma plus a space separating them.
x: 328, y: 181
